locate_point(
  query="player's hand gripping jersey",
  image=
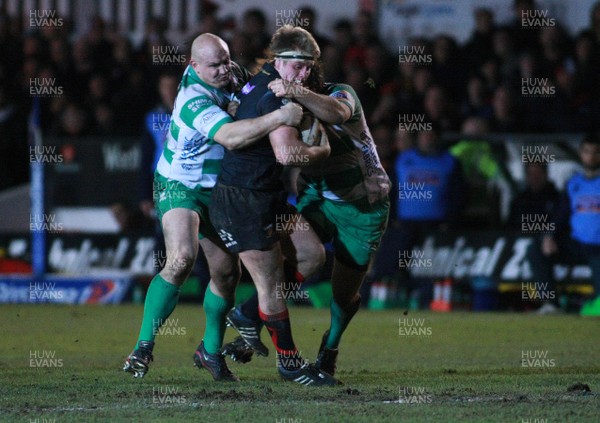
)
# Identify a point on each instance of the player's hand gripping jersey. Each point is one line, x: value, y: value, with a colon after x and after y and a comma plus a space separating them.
x: 353, y: 170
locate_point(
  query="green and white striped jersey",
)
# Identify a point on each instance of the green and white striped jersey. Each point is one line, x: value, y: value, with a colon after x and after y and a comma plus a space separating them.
x: 353, y: 170
x: 190, y: 155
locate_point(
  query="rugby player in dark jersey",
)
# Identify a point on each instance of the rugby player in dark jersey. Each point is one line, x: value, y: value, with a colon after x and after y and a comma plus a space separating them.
x: 250, y: 194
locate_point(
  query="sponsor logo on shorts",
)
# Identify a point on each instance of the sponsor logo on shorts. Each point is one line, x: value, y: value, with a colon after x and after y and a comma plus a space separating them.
x: 227, y: 238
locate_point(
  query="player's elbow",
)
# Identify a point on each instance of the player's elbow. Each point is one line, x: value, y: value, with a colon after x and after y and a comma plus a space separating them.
x: 227, y: 139
x: 338, y: 117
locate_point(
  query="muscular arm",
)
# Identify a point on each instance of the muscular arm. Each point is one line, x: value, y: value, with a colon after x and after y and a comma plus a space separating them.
x: 290, y: 151
x: 242, y: 133
x: 327, y: 109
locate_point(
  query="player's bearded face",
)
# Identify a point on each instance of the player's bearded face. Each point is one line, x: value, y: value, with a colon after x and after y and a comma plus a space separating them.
x: 296, y: 71
x: 214, y: 68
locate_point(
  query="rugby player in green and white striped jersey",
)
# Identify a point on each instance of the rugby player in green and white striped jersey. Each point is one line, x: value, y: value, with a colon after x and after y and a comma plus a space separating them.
x: 345, y: 200
x: 185, y: 175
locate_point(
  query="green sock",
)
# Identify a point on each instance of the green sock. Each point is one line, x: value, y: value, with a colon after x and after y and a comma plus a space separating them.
x: 215, y: 308
x: 161, y: 300
x: 339, y: 322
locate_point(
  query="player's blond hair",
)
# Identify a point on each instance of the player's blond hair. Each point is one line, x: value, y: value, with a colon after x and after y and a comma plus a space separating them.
x: 290, y: 37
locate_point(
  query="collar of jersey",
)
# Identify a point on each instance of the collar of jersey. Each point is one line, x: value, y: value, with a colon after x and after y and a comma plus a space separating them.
x: 269, y: 69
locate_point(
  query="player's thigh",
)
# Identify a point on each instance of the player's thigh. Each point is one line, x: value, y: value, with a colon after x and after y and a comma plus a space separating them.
x: 310, y: 206
x: 224, y: 265
x: 265, y: 266
x: 300, y: 242
x: 180, y: 228
x: 359, y: 230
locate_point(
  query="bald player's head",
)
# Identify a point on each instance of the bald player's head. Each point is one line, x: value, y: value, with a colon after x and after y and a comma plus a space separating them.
x: 210, y: 60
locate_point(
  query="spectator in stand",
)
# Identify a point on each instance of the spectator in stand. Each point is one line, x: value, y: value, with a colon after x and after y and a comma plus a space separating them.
x: 503, y: 47
x: 579, y: 211
x: 253, y: 26
x: 308, y: 15
x: 490, y: 71
x: 241, y: 51
x: 13, y: 149
x: 98, y: 45
x: 343, y: 37
x: 135, y: 97
x: 123, y: 59
x: 506, y: 117
x: 555, y: 51
x: 378, y: 65
x: 60, y: 59
x: 83, y: 66
x: 479, y: 46
x: 332, y: 63
x: 73, y: 123
x: 421, y: 82
x: 525, y: 37
x: 439, y: 109
x: 11, y: 47
x: 595, y: 22
x: 364, y: 35
x: 105, y: 121
x: 586, y: 87
x: 447, y: 66
x: 154, y: 35
x: 477, y: 103
x: 333, y: 54
x: 97, y: 91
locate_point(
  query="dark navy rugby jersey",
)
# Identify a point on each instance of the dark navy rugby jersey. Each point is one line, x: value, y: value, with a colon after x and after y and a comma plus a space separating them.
x: 255, y: 167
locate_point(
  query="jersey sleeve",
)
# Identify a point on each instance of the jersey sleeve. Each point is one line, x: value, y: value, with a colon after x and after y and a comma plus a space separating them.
x: 204, y: 115
x: 345, y: 94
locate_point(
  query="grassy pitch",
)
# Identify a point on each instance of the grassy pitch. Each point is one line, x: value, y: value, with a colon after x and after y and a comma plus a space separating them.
x: 62, y: 364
